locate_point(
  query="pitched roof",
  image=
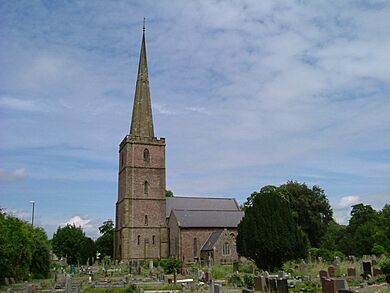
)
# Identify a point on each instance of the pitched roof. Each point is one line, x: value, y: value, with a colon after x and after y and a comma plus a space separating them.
x: 200, y: 203
x: 210, y: 242
x: 208, y: 218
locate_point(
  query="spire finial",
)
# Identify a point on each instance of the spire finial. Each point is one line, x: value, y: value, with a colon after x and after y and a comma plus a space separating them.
x: 143, y: 27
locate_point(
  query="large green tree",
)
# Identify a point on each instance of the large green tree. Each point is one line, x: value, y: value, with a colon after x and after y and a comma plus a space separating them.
x: 268, y: 233
x: 24, y: 250
x: 311, y: 209
x: 68, y: 242
x: 105, y: 243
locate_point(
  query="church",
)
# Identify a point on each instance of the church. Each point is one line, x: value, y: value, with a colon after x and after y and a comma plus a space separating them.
x: 149, y: 225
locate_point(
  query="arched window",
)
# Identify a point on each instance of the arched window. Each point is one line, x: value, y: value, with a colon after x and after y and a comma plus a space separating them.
x: 233, y: 236
x: 153, y: 239
x: 146, y: 220
x: 138, y: 239
x: 146, y: 187
x: 226, y: 249
x: 146, y: 156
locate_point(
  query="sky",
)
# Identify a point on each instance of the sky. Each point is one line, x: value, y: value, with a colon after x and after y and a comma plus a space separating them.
x: 246, y: 93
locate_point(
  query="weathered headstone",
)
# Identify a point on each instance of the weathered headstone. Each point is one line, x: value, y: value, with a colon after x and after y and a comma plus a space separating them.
x: 337, y: 261
x: 332, y: 271
x: 367, y: 268
x: 351, y: 272
x: 217, y: 288
x: 328, y: 285
x: 272, y: 285
x: 282, y: 286
x: 6, y: 281
x: 151, y: 264
x: 377, y: 272
x: 282, y: 275
x: 260, y: 283
x: 341, y: 284
x: 68, y: 284
x: 323, y: 274
x: 302, y: 265
x: 207, y: 277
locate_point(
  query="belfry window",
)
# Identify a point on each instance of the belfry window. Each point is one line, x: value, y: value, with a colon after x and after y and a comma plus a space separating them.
x: 146, y: 220
x: 153, y: 239
x: 146, y: 156
x: 146, y: 187
x: 138, y: 239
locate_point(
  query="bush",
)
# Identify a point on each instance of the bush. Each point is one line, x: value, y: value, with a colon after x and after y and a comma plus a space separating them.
x: 249, y: 281
x: 170, y: 264
x: 385, y: 266
x: 220, y: 272
x: 235, y: 280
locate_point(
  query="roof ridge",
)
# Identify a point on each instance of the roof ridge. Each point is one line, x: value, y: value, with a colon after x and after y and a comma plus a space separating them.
x: 191, y: 210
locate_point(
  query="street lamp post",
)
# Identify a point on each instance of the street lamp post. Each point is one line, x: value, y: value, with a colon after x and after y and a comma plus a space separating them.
x: 33, y: 208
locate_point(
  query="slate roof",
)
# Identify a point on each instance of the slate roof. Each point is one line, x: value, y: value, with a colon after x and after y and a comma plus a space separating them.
x: 200, y: 203
x: 208, y: 218
x: 210, y: 242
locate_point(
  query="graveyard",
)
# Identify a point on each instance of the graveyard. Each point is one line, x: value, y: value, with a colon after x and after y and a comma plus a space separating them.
x: 367, y: 274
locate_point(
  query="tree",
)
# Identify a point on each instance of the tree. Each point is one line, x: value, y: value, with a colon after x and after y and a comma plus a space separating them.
x: 105, y: 243
x: 168, y: 193
x: 24, y: 250
x: 68, y: 242
x: 311, y: 209
x: 268, y: 233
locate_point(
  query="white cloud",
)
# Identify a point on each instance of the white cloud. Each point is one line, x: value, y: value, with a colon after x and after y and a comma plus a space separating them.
x: 163, y: 109
x: 17, y: 174
x: 19, y: 104
x: 348, y: 201
x: 78, y: 221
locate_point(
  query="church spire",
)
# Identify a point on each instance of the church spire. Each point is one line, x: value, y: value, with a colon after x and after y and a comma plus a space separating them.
x: 142, y: 120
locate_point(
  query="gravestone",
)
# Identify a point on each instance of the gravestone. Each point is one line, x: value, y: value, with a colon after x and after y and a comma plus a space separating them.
x: 323, y: 274
x: 328, y: 285
x: 302, y: 265
x: 6, y: 281
x: 260, y: 283
x: 341, y: 284
x: 282, y: 275
x: 377, y: 272
x: 206, y: 277
x: 68, y: 284
x: 217, y: 288
x: 151, y: 265
x: 351, y: 272
x: 272, y: 285
x: 337, y: 261
x: 282, y: 286
x: 332, y: 271
x: 367, y: 268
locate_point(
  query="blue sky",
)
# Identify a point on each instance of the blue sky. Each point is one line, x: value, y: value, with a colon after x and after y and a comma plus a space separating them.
x: 246, y: 93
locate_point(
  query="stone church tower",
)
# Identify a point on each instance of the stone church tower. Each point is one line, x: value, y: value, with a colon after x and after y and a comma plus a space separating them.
x: 140, y: 229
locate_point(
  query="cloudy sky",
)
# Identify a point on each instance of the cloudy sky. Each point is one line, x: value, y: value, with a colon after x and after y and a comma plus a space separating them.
x: 246, y: 93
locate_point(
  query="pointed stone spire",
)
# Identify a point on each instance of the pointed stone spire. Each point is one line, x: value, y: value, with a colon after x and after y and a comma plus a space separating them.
x: 142, y: 120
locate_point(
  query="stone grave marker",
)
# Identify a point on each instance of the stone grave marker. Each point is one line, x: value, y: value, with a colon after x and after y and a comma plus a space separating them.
x: 217, y: 288
x: 302, y: 265
x: 351, y: 272
x: 282, y: 275
x: 68, y: 284
x: 328, y: 286
x: 341, y: 284
x: 332, y: 271
x: 377, y: 272
x: 323, y: 274
x: 6, y: 281
x: 282, y: 285
x: 260, y: 283
x: 272, y: 285
x: 367, y: 268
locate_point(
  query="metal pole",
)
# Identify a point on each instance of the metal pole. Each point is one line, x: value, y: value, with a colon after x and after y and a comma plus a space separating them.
x: 32, y: 216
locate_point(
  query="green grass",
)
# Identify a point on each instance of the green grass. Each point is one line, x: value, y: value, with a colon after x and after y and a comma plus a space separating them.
x: 220, y: 272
